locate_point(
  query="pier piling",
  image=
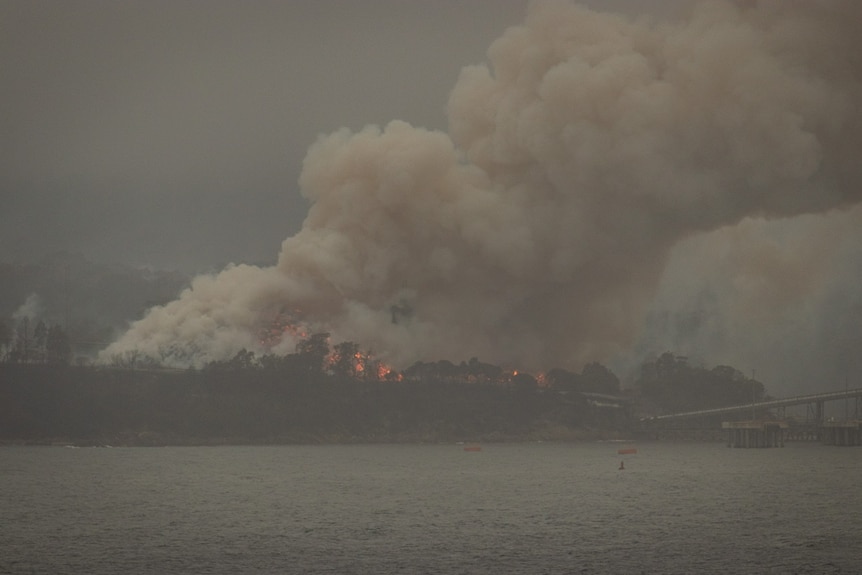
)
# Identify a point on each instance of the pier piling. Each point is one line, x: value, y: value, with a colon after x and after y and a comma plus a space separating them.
x: 755, y: 433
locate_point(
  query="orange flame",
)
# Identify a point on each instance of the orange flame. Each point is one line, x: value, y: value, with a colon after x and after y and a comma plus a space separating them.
x: 286, y: 322
x: 542, y: 380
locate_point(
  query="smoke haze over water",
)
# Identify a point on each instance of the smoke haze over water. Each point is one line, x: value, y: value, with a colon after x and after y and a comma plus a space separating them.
x: 594, y: 157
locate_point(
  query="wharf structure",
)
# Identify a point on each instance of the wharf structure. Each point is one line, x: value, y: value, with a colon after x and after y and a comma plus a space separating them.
x: 755, y: 433
x: 764, y: 428
x: 848, y: 432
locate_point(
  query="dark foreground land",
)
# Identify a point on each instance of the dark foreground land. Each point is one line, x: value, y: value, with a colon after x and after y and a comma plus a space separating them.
x: 41, y: 404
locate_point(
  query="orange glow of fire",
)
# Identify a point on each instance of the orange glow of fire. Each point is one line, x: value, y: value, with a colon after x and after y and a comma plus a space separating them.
x: 286, y: 322
x: 385, y: 372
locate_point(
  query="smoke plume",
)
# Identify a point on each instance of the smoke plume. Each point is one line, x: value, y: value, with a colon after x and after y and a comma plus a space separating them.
x: 537, y: 231
x: 32, y: 308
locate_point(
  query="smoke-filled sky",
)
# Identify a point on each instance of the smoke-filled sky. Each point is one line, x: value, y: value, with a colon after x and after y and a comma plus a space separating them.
x: 588, y: 186
x: 168, y: 133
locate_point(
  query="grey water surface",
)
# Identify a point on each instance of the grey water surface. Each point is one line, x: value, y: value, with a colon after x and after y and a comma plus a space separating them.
x: 385, y: 509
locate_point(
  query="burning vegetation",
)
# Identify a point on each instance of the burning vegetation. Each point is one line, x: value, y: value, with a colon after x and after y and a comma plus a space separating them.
x: 316, y: 356
x: 287, y: 322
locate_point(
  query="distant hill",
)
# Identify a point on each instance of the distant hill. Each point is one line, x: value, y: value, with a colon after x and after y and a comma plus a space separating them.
x: 92, y: 301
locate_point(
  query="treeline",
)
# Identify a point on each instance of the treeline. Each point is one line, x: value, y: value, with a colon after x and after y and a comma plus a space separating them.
x: 218, y: 405
x: 315, y: 357
x: 669, y: 384
x: 340, y: 393
x: 665, y: 384
x: 41, y: 345
x: 91, y: 301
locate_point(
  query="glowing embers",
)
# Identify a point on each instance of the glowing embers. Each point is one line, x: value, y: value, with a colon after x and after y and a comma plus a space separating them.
x: 387, y: 373
x: 348, y: 360
x: 286, y: 322
x: 371, y: 368
x: 344, y: 359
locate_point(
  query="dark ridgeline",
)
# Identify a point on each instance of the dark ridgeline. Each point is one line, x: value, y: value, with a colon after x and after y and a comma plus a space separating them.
x: 287, y: 400
x: 318, y: 395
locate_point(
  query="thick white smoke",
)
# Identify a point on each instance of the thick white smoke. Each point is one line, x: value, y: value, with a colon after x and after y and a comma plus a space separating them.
x: 537, y: 231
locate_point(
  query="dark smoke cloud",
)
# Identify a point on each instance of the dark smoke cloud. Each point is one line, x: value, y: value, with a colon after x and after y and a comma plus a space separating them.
x: 578, y: 164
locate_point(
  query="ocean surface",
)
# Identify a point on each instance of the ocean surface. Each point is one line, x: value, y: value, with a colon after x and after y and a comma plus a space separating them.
x: 534, y: 508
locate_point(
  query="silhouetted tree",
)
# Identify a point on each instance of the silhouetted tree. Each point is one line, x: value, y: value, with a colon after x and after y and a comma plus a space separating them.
x: 668, y: 365
x: 483, y: 372
x: 674, y: 385
x: 40, y: 337
x: 134, y: 359
x: 279, y: 363
x: 5, y: 338
x: 345, y: 358
x: 445, y: 369
x: 244, y: 359
x: 563, y: 380
x: 58, y: 348
x: 313, y: 352
x: 597, y: 378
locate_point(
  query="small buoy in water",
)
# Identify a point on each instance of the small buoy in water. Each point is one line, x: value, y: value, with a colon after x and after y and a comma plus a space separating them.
x: 622, y: 465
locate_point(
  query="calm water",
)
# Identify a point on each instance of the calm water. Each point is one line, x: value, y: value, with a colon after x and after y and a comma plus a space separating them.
x: 511, y: 508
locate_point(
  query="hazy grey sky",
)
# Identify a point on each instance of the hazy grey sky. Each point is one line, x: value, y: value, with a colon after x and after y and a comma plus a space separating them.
x: 157, y: 132
x: 172, y: 133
